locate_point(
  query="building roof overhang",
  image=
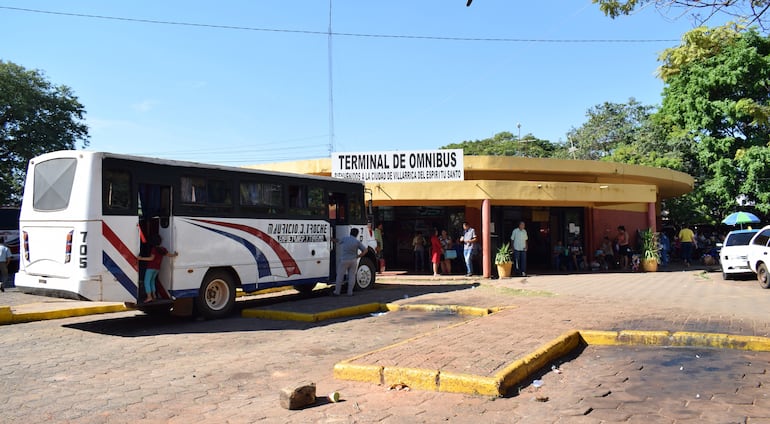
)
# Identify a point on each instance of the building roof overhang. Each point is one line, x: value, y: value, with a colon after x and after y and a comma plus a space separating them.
x: 524, y: 181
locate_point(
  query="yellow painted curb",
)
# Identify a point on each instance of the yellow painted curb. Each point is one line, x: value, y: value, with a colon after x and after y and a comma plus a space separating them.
x: 451, y: 309
x: 415, y: 378
x: 722, y: 341
x: 367, y: 308
x: 6, y: 316
x: 599, y: 337
x: 356, y: 372
x: 278, y: 315
x: 66, y: 313
x: 521, y: 369
x: 469, y: 384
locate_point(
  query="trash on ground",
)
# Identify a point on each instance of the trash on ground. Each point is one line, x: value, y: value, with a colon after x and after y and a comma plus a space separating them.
x: 537, y: 383
x: 399, y: 387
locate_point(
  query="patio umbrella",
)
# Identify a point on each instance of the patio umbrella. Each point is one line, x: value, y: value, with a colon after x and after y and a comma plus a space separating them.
x: 740, y: 218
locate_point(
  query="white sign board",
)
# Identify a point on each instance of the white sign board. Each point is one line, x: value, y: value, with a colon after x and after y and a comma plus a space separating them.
x: 399, y: 166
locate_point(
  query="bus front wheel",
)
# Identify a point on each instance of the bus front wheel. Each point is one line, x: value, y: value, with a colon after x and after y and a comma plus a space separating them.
x: 216, y: 297
x: 365, y: 274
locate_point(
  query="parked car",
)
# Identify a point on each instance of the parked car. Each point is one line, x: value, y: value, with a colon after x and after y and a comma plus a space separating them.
x: 759, y: 256
x: 733, y: 254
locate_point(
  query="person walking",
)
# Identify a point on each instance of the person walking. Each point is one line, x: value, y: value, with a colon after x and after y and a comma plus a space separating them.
x: 520, y: 241
x: 469, y: 242
x: 5, y: 260
x: 687, y: 240
x: 348, y: 260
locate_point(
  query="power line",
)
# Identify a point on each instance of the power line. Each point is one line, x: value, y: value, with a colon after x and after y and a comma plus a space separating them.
x: 340, y: 34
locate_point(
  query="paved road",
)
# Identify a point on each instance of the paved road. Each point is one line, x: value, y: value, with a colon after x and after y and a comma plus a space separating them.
x: 127, y: 367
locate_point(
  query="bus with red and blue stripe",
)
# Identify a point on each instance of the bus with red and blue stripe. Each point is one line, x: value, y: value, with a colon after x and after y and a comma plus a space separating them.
x: 86, y: 217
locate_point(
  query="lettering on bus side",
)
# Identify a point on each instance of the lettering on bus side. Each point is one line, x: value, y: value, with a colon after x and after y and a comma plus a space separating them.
x: 84, y: 251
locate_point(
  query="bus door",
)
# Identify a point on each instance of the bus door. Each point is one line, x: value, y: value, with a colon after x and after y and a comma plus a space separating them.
x: 155, y: 222
x: 338, y: 221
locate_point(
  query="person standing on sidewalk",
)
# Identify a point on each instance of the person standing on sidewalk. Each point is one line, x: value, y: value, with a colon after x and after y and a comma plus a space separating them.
x: 418, y: 244
x: 469, y: 242
x: 5, y: 260
x: 380, y: 245
x: 348, y: 260
x: 520, y: 241
x: 436, y: 252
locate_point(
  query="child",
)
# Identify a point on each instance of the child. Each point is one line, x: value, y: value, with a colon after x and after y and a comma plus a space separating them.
x: 153, y: 266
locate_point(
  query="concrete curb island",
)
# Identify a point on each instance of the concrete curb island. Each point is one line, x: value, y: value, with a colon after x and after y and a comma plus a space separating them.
x: 520, y: 370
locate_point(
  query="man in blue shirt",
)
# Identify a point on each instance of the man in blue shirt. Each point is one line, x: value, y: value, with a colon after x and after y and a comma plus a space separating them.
x: 347, y: 257
x: 469, y: 242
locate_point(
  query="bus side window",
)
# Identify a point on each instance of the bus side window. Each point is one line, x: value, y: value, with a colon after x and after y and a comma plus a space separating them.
x: 194, y: 190
x: 261, y: 197
x: 116, y: 189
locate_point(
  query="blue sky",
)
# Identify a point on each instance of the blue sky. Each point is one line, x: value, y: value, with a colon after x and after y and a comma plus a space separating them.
x: 259, y: 92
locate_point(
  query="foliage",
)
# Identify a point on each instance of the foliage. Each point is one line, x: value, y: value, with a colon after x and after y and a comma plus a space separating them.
x: 506, y: 144
x: 751, y: 11
x: 621, y: 132
x: 35, y: 117
x: 718, y: 103
x: 650, y: 244
x: 504, y: 254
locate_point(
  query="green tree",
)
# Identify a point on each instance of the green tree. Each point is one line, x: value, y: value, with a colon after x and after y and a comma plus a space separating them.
x: 610, y: 127
x: 716, y: 99
x: 506, y: 144
x: 35, y: 117
x: 750, y: 11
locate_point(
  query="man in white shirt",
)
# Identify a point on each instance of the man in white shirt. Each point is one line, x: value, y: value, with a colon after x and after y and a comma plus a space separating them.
x: 520, y: 242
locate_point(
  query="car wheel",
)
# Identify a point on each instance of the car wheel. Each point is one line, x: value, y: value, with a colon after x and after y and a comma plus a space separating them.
x: 762, y: 276
x: 725, y: 276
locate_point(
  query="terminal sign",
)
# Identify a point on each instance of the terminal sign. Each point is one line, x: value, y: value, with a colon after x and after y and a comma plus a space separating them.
x: 400, y: 166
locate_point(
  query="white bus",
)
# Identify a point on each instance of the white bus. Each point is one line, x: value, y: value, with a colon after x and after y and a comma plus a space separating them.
x: 85, y: 216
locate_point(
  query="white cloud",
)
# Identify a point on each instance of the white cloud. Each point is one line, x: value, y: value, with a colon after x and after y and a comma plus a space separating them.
x: 144, y: 106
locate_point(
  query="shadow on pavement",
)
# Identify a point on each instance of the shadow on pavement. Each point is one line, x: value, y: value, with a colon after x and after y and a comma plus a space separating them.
x: 141, y: 325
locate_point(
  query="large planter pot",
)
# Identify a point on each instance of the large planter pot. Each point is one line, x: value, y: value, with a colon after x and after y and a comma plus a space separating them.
x: 504, y: 270
x: 650, y: 265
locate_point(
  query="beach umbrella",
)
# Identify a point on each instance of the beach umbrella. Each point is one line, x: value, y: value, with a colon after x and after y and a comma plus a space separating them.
x: 740, y: 218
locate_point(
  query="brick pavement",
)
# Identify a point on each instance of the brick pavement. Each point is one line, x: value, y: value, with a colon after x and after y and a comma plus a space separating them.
x: 138, y: 369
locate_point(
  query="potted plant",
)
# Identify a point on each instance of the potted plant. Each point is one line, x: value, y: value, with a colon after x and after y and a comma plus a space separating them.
x: 504, y: 260
x: 650, y: 251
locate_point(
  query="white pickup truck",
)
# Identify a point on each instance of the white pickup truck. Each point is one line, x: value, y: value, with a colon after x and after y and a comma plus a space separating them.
x: 759, y: 256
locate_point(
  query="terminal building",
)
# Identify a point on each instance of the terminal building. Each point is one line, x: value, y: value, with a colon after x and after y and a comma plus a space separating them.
x: 559, y: 200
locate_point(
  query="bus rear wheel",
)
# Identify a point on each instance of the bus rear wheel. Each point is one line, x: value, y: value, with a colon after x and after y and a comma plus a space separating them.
x: 216, y: 297
x: 365, y: 274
